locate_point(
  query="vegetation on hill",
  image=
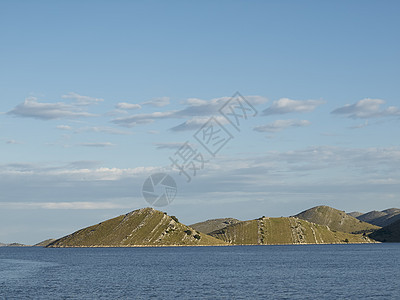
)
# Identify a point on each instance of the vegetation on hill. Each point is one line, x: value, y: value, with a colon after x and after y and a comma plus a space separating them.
x: 142, y: 227
x: 214, y: 224
x: 390, y: 233
x: 336, y: 220
x: 44, y: 243
x: 271, y: 231
x: 149, y: 227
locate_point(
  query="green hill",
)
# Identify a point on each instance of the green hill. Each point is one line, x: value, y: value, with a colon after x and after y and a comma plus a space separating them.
x: 272, y: 231
x: 390, y: 233
x: 336, y: 220
x: 142, y: 227
x: 214, y: 224
x: 44, y: 243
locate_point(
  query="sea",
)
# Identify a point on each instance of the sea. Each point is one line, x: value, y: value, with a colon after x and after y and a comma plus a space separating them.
x: 364, y: 271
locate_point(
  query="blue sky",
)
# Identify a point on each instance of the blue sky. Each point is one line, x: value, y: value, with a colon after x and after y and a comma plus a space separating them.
x: 97, y: 95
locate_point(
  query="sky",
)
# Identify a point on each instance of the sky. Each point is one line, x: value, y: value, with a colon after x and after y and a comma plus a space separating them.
x: 96, y: 96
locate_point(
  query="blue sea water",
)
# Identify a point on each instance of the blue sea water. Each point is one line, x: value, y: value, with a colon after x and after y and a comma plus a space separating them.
x: 370, y: 271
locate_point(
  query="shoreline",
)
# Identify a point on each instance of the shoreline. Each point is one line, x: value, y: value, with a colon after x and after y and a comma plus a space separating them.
x: 228, y: 245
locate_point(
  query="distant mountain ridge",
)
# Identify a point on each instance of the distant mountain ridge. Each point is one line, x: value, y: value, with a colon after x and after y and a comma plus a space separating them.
x: 13, y: 245
x: 381, y: 218
x: 355, y: 214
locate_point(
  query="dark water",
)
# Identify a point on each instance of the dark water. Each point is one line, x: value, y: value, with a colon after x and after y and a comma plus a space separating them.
x: 238, y: 272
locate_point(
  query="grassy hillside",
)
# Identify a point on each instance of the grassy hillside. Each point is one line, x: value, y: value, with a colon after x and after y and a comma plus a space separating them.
x: 214, y: 224
x: 142, y: 227
x: 271, y: 231
x: 390, y: 233
x: 336, y: 220
x: 44, y: 243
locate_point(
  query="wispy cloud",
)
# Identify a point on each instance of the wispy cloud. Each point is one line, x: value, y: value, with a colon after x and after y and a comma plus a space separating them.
x: 103, y: 129
x: 125, y: 105
x: 13, y: 142
x: 196, y: 123
x: 286, y: 105
x: 64, y: 127
x: 194, y: 108
x: 358, y: 126
x: 367, y: 108
x: 172, y: 146
x: 99, y: 129
x: 62, y: 205
x: 280, y: 125
x: 73, y: 172
x: 157, y: 102
x: 81, y: 100
x: 133, y: 120
x: 31, y: 108
x: 99, y: 145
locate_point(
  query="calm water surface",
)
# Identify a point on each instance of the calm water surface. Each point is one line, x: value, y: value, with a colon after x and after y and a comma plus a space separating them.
x: 237, y: 272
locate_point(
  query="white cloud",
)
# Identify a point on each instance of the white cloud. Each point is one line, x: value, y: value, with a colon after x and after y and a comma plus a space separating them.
x: 286, y: 105
x: 280, y: 125
x: 108, y: 130
x: 194, y: 108
x: 125, y: 105
x: 62, y: 205
x: 99, y: 145
x: 367, y: 108
x: 134, y: 120
x: 74, y: 171
x: 298, y: 176
x: 103, y: 129
x: 64, y: 127
x: 158, y: 102
x: 99, y: 129
x: 196, y: 123
x: 81, y: 100
x: 172, y: 146
x: 31, y: 108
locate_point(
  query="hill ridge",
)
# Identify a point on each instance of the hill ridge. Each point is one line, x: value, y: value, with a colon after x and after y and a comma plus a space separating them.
x: 284, y: 230
x: 141, y: 227
x: 336, y: 220
x: 381, y: 218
